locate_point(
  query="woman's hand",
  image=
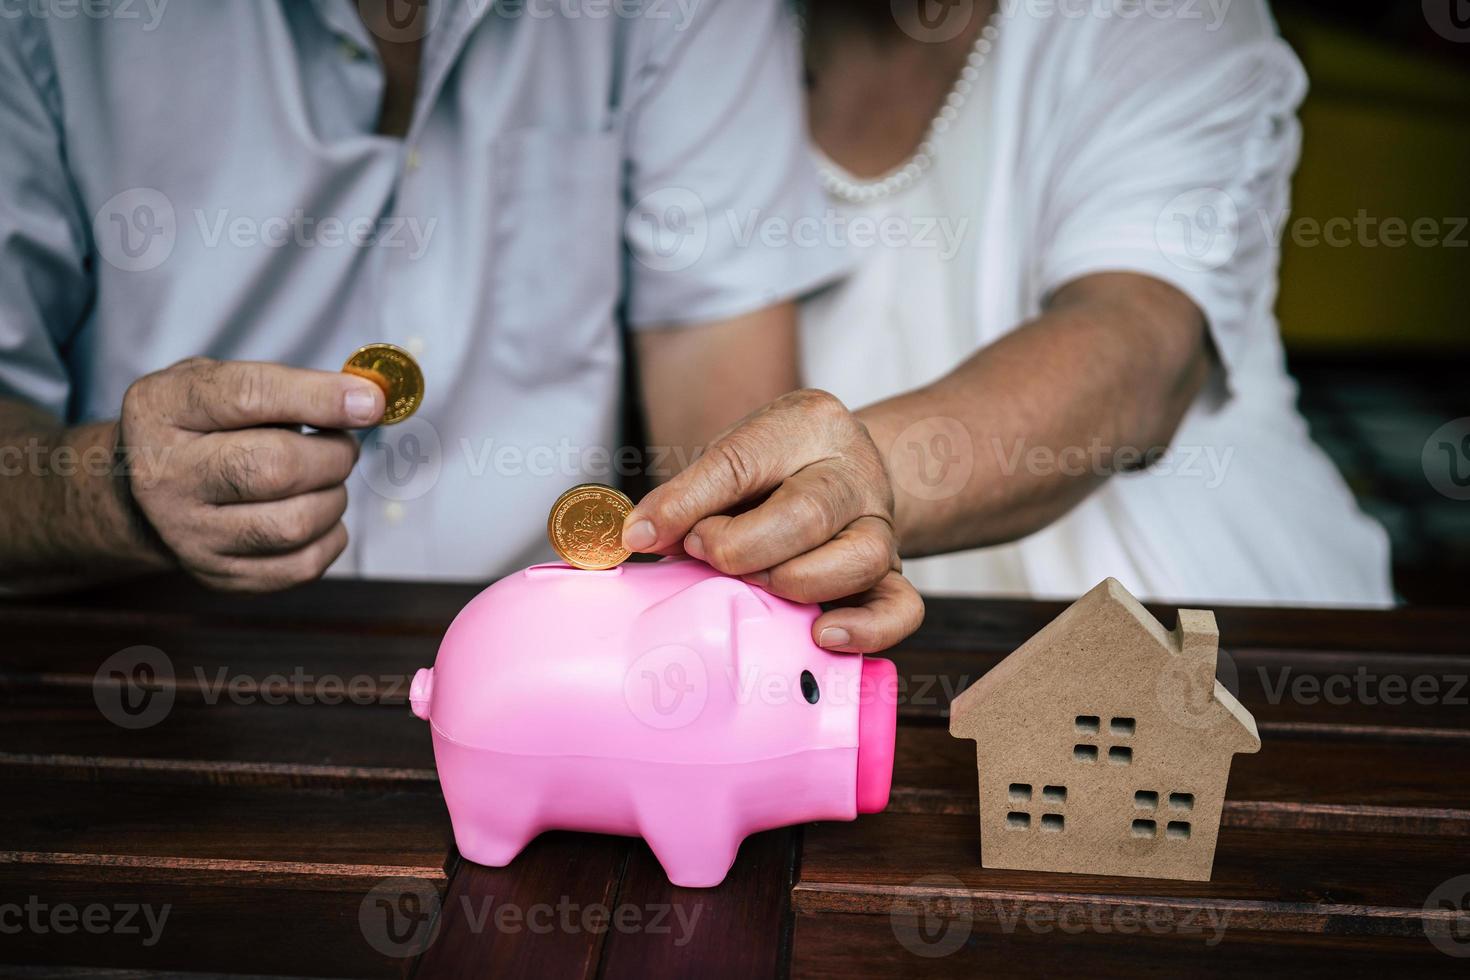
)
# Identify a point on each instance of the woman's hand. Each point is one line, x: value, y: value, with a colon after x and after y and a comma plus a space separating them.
x: 795, y: 499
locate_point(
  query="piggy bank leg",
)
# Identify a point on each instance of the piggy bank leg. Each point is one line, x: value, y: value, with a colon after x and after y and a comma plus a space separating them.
x: 694, y: 863
x: 495, y: 808
x: 491, y: 846
x: 692, y: 858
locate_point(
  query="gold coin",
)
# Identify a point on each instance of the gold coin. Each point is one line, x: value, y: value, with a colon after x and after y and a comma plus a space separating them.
x: 395, y: 371
x: 586, y: 526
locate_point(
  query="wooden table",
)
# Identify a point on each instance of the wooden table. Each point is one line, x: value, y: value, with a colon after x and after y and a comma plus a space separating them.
x: 283, y: 809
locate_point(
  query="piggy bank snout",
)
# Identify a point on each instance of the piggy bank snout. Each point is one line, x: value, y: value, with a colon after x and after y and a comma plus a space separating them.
x: 877, y: 728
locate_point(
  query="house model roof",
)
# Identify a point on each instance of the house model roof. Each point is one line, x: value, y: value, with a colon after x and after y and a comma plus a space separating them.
x: 1107, y: 638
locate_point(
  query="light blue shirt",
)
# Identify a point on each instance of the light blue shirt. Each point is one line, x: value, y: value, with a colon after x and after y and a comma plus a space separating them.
x: 204, y: 178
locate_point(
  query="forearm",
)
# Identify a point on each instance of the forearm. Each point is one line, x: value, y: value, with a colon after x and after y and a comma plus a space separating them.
x: 698, y: 380
x: 65, y: 519
x: 1095, y: 385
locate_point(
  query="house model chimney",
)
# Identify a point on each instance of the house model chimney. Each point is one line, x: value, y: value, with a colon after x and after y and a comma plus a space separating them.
x: 1198, y: 636
x: 1197, y: 642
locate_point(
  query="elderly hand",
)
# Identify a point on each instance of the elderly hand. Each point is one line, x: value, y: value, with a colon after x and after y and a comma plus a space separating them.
x: 820, y: 528
x: 220, y: 470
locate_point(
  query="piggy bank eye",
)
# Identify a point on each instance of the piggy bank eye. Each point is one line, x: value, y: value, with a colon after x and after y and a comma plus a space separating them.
x: 809, y: 687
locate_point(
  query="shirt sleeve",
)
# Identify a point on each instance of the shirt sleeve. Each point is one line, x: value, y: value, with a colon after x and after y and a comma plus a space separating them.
x: 44, y: 286
x: 725, y: 214
x: 1176, y: 163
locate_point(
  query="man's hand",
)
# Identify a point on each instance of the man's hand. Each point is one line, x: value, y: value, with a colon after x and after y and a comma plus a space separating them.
x: 821, y: 528
x: 217, y: 467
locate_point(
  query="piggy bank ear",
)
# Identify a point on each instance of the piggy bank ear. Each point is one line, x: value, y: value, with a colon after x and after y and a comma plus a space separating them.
x: 706, y: 615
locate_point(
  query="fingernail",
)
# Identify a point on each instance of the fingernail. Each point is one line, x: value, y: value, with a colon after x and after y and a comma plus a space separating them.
x: 639, y: 535
x: 761, y: 579
x: 361, y: 405
x: 693, y: 547
x: 833, y: 636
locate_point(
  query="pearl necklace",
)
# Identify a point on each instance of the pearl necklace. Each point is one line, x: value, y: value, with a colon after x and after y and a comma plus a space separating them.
x: 902, y: 177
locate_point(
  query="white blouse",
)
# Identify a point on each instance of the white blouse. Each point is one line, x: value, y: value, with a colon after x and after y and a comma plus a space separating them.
x: 1157, y: 144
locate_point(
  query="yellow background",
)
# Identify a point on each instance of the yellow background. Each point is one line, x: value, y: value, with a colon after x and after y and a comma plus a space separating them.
x: 1387, y: 132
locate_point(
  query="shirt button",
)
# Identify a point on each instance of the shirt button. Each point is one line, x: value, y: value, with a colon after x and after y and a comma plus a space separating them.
x: 393, y: 511
x: 413, y: 161
x: 415, y: 346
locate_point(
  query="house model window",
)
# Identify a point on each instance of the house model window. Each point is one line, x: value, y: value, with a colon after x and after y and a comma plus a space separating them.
x: 1104, y: 744
x: 1050, y: 803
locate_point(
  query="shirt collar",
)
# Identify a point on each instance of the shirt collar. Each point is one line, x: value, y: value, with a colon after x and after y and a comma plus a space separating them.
x: 450, y: 24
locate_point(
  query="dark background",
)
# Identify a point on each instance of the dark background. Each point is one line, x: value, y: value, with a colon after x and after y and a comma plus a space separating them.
x: 1377, y: 334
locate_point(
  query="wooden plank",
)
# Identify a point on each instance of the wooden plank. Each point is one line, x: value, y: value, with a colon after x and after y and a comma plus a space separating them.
x: 1264, y: 880
x: 289, y: 745
x: 210, y: 664
x: 1290, y: 783
x: 1004, y: 624
x: 204, y: 928
x: 408, y: 608
x: 737, y: 929
x: 1291, y: 692
x: 577, y: 904
x: 542, y: 915
x: 262, y: 818
x: 99, y: 973
x: 342, y: 606
x: 949, y: 945
x: 241, y: 870
x: 297, y: 835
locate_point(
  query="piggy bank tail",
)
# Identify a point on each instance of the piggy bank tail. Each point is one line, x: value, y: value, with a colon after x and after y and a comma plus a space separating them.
x: 420, y: 691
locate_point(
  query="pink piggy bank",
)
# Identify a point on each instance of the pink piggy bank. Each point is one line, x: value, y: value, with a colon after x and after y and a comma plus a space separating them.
x: 661, y: 700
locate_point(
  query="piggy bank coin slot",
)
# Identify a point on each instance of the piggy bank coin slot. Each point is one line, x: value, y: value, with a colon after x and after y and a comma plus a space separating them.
x: 554, y: 570
x: 809, y: 688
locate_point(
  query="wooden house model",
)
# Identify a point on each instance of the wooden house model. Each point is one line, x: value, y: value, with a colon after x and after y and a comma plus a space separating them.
x: 1104, y: 743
